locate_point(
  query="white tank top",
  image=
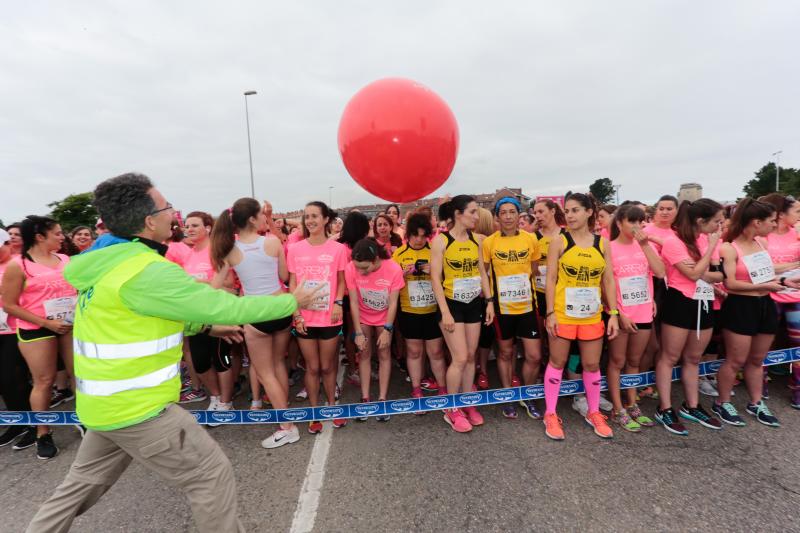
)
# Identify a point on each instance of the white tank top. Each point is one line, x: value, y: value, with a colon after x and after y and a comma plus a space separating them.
x: 257, y: 271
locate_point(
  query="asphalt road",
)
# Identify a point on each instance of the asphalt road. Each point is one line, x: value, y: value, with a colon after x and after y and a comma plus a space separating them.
x: 415, y: 474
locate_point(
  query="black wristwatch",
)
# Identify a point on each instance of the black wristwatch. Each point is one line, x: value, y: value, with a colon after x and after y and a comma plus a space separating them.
x: 489, y: 300
x: 388, y: 327
x: 340, y: 303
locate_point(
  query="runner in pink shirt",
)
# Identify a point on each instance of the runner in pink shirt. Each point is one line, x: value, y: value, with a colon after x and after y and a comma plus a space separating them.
x: 318, y: 261
x: 635, y: 263
x: 374, y: 283
x: 383, y: 230
x: 661, y: 228
x: 37, y: 295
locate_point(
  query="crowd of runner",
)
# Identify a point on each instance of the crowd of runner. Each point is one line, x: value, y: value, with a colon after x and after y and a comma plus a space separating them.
x: 593, y: 289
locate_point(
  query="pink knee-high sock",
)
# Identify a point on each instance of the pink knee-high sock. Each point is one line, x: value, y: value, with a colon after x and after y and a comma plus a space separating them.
x: 552, y: 385
x: 591, y: 382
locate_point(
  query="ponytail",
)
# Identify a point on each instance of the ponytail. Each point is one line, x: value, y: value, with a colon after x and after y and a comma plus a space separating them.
x: 459, y: 203
x: 686, y: 221
x: 629, y: 212
x: 559, y: 216
x: 223, y: 234
x: 745, y: 212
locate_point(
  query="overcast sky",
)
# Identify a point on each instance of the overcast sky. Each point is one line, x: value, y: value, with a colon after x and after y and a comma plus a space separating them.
x: 548, y: 95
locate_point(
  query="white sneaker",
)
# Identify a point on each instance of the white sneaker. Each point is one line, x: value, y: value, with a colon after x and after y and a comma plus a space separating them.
x: 213, y: 401
x: 579, y: 404
x: 281, y: 437
x: 605, y: 405
x: 256, y: 405
x: 302, y: 395
x: 220, y: 406
x: 708, y: 388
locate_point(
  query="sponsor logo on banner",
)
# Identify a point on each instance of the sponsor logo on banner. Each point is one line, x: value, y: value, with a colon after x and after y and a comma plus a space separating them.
x: 402, y: 406
x: 436, y: 402
x: 366, y: 409
x: 776, y: 358
x: 258, y: 416
x: 533, y: 392
x: 47, y: 418
x: 296, y: 414
x: 631, y: 380
x: 796, y: 354
x: 11, y: 418
x: 469, y: 398
x: 331, y: 412
x: 503, y: 395
x: 713, y: 366
x: 200, y: 416
x: 569, y: 387
x: 73, y: 417
x: 222, y: 416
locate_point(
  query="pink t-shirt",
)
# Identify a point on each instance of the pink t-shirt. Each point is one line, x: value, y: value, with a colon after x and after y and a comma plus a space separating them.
x: 634, y: 281
x: 177, y: 252
x: 8, y: 324
x: 660, y: 233
x: 318, y: 265
x: 46, y: 294
x: 374, y: 290
x: 785, y: 249
x: 197, y: 263
x: 675, y: 251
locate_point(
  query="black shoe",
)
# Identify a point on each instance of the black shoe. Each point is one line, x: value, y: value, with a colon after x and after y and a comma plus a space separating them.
x: 57, y: 399
x: 45, y: 447
x: 383, y: 418
x: 11, y: 434
x: 68, y: 394
x: 670, y: 422
x: 762, y: 414
x: 28, y: 439
x: 727, y: 413
x: 699, y: 415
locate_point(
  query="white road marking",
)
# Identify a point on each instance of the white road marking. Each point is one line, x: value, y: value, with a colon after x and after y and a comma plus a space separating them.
x: 306, y: 512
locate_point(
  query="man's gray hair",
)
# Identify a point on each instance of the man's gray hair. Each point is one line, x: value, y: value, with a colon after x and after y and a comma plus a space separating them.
x: 123, y: 203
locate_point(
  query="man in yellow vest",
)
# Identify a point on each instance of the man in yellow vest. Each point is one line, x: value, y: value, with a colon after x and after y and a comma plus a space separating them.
x: 134, y: 307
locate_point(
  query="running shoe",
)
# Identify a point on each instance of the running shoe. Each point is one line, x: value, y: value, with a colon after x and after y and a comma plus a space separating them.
x: 636, y: 413
x: 473, y: 416
x: 626, y: 421
x: 339, y: 422
x: 483, y: 381
x: 417, y: 393
x: 727, y: 413
x: 192, y: 396
x: 11, y: 434
x: 762, y: 414
x: 353, y: 378
x: 281, y: 437
x: 699, y: 415
x: 598, y: 421
x: 456, y: 419
x: 670, y: 422
x: 363, y: 418
x: 315, y: 427
x: 295, y: 376
x: 580, y: 405
x: 530, y: 409
x: 45, y: 447
x: 509, y: 411
x: 28, y: 439
x: 220, y: 406
x: 553, y: 427
x: 708, y: 388
x: 795, y: 401
x: 57, y: 398
x: 647, y: 392
x: 256, y: 405
x: 605, y: 405
x: 429, y: 384
x: 383, y: 418
x: 515, y: 381
x: 302, y: 395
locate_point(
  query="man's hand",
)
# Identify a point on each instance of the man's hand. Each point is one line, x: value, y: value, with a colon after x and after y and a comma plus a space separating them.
x: 305, y: 296
x: 229, y: 334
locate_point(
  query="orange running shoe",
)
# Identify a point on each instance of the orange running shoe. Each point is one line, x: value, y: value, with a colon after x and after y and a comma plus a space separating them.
x: 553, y: 427
x: 598, y: 421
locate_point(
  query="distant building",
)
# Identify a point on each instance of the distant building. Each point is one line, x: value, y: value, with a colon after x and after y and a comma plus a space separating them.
x: 690, y: 192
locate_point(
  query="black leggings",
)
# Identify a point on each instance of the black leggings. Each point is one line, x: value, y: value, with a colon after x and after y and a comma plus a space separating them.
x: 15, y: 386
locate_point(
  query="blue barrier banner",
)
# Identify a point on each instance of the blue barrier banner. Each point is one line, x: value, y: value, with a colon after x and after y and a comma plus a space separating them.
x: 393, y: 407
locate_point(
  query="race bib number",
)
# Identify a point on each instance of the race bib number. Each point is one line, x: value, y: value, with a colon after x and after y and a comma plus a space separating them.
x: 4, y: 327
x: 322, y: 300
x: 377, y: 300
x: 60, y: 309
x: 759, y: 266
x: 703, y: 291
x: 634, y: 290
x: 514, y: 289
x: 420, y: 294
x: 582, y: 302
x: 466, y: 289
x: 541, y: 279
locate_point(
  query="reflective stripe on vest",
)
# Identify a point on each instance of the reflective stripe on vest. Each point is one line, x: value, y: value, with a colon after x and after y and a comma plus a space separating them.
x: 128, y: 350
x: 107, y: 388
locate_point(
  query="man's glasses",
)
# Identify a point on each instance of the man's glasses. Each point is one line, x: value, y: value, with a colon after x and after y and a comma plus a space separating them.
x: 157, y: 211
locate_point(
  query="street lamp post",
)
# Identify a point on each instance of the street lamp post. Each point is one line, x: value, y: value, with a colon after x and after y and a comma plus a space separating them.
x: 777, y: 156
x: 617, y: 187
x: 249, y: 147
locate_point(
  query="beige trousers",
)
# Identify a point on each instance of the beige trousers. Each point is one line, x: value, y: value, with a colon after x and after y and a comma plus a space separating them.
x: 173, y: 446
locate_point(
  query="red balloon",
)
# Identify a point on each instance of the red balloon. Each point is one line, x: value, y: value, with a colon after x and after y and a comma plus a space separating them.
x: 398, y: 139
